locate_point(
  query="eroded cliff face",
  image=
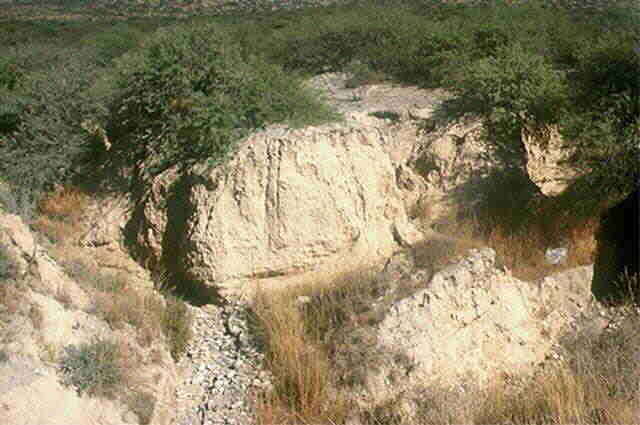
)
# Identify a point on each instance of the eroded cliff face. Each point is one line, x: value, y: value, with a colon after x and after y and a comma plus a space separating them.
x: 473, y: 322
x: 288, y: 201
x: 546, y: 161
x: 44, y: 311
x: 293, y: 200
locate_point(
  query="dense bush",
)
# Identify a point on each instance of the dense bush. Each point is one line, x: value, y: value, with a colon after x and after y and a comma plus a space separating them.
x: 603, y: 121
x: 53, y: 78
x: 534, y: 63
x: 514, y: 88
x: 189, y: 96
x: 42, y: 126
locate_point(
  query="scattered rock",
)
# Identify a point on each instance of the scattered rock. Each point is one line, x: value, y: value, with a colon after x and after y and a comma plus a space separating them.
x: 556, y: 255
x: 221, y: 370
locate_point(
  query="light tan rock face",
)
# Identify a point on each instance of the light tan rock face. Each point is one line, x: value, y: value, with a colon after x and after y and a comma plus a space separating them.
x: 295, y: 200
x: 545, y: 156
x: 475, y: 321
x: 289, y: 200
x: 451, y: 160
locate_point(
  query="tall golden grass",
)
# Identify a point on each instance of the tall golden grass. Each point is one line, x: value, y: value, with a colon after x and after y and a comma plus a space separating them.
x: 302, y: 391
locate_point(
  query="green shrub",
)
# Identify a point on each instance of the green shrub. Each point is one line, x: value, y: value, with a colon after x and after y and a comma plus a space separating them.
x: 190, y: 96
x: 386, y: 115
x: 42, y: 126
x: 603, y: 119
x: 10, y: 74
x: 92, y: 368
x: 514, y: 89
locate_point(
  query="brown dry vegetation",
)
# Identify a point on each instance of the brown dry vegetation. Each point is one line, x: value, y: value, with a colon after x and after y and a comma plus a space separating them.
x: 60, y: 213
x: 320, y: 340
x: 520, y: 234
x: 302, y: 390
x: 304, y: 330
x: 598, y: 383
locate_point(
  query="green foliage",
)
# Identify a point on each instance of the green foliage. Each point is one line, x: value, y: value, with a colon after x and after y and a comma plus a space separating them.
x: 386, y: 115
x: 10, y: 74
x: 190, y: 96
x: 92, y: 368
x: 603, y: 120
x: 53, y: 78
x: 43, y: 130
x: 533, y: 64
x: 513, y: 89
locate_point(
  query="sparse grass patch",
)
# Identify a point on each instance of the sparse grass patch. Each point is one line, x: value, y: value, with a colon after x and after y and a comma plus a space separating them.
x: 520, y: 224
x: 435, y: 254
x: 95, y: 368
x: 597, y: 384
x: 523, y: 250
x: 124, y: 307
x: 176, y: 325
x: 36, y: 316
x: 143, y: 405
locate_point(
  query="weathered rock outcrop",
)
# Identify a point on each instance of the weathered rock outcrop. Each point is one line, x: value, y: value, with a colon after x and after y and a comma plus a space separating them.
x: 546, y: 156
x: 475, y: 321
x: 452, y: 160
x: 288, y: 201
x: 338, y: 195
x: 292, y: 200
x: 42, y: 312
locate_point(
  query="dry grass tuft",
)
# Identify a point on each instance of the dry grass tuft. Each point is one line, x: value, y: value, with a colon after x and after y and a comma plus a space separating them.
x: 302, y: 381
x: 523, y: 250
x: 436, y: 254
x: 60, y: 213
x: 11, y: 298
x: 64, y: 203
x: 598, y: 384
x: 36, y: 316
x: 521, y: 235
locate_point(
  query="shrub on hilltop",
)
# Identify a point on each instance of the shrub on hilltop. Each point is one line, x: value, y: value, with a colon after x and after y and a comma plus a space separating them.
x: 189, y: 95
